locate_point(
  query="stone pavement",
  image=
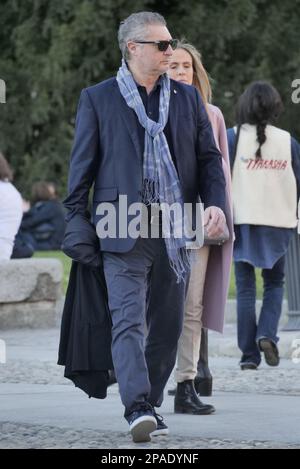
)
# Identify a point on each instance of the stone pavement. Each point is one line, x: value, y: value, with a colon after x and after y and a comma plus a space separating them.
x: 39, y: 408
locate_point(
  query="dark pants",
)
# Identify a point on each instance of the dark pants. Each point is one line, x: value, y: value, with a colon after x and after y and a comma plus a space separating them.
x: 21, y: 249
x: 249, y: 330
x: 142, y: 366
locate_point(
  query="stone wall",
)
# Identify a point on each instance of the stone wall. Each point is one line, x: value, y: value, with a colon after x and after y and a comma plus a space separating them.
x: 30, y: 292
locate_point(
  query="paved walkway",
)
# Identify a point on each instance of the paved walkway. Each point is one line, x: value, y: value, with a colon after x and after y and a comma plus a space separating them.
x: 39, y: 408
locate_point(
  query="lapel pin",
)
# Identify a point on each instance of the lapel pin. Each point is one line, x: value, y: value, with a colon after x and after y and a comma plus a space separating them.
x: 175, y: 92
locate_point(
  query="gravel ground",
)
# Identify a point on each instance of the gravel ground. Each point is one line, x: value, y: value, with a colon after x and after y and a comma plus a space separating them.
x: 277, y: 381
x: 44, y: 437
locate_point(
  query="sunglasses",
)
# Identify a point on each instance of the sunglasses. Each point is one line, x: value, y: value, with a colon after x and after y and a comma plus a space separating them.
x: 161, y: 45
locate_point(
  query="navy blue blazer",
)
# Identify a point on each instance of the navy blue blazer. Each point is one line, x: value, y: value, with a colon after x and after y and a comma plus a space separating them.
x: 107, y: 153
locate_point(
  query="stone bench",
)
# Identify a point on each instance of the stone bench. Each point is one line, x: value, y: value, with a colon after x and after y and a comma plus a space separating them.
x: 30, y: 292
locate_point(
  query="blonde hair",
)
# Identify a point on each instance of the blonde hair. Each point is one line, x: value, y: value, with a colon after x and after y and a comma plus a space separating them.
x: 200, y: 76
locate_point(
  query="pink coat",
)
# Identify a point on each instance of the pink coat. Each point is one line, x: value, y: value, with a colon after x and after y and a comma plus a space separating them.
x: 220, y: 257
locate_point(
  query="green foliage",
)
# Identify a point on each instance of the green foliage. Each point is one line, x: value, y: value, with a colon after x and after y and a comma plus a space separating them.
x: 65, y: 261
x: 50, y: 50
x: 243, y: 41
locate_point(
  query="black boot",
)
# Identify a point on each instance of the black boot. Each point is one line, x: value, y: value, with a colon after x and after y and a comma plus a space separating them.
x: 187, y: 402
x: 172, y: 392
x: 203, y: 381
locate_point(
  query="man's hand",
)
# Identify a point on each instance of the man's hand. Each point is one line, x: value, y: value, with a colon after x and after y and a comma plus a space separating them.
x: 214, y: 221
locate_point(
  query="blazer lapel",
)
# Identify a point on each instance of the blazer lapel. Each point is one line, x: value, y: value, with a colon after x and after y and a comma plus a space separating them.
x: 173, y: 124
x: 129, y: 118
x: 173, y: 110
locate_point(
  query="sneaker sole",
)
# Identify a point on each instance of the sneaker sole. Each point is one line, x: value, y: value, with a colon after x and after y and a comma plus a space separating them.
x: 270, y: 355
x: 162, y: 432
x: 248, y: 367
x: 245, y: 366
x: 142, y: 428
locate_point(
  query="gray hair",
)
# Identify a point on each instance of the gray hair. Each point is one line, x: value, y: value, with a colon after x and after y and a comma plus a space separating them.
x: 133, y: 28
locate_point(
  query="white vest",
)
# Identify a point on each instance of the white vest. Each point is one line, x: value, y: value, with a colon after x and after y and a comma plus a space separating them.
x: 264, y: 190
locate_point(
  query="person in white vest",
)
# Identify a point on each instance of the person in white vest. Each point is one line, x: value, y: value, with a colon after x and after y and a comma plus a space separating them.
x: 11, y: 210
x: 265, y: 163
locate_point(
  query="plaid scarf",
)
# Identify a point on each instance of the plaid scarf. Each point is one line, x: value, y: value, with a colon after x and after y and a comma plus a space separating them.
x: 160, y: 178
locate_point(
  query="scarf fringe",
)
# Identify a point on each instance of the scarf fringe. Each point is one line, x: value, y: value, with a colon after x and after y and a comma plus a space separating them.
x: 181, y: 264
x: 150, y: 192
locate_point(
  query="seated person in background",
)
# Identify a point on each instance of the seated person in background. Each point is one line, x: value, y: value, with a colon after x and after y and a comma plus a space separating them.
x: 10, y: 210
x: 43, y: 225
x: 22, y: 250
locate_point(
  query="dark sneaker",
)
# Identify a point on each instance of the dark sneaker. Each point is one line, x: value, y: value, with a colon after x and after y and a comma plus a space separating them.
x: 270, y: 351
x: 142, y: 423
x: 162, y: 428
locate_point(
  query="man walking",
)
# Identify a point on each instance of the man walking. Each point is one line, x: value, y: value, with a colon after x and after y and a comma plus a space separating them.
x: 149, y: 138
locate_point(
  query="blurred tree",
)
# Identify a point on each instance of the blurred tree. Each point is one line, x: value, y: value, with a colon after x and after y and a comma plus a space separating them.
x: 50, y: 50
x: 242, y: 41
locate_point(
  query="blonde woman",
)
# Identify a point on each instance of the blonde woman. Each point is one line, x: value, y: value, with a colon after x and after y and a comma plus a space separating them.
x: 208, y: 287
